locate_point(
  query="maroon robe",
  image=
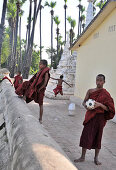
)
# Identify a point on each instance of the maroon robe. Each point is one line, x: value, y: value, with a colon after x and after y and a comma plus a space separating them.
x: 95, y: 120
x: 18, y: 80
x: 7, y: 79
x: 30, y: 88
x: 57, y: 90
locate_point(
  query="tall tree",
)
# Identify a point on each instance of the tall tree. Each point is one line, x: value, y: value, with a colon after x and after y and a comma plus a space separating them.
x: 40, y: 34
x: 57, y: 22
x: 2, y: 26
x: 13, y: 19
x: 51, y: 5
x: 79, y: 22
x: 28, y: 54
x: 72, y: 23
x: 15, y: 40
x: 65, y: 7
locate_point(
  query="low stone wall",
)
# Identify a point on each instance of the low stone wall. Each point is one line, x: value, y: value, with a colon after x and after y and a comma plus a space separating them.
x: 31, y: 147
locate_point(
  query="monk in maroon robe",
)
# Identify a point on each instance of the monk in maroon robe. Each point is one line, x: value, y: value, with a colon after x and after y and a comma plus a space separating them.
x: 96, y: 118
x: 18, y: 80
x: 58, y: 89
x: 34, y: 89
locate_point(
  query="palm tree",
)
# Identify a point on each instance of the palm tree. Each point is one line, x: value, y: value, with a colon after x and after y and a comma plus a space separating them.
x: 101, y: 4
x: 11, y: 16
x: 61, y: 43
x: 13, y: 8
x: 40, y: 34
x: 57, y: 22
x: 72, y: 23
x: 20, y: 59
x: 65, y: 6
x: 28, y: 54
x: 79, y: 24
x: 2, y: 26
x: 15, y: 39
x: 51, y: 5
x: 82, y: 19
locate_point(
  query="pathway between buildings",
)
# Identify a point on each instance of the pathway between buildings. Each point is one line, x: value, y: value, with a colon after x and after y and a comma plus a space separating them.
x: 66, y: 130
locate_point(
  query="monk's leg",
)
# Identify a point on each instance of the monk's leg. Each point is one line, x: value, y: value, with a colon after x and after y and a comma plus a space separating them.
x: 96, y: 157
x: 41, y: 113
x: 61, y: 92
x: 82, y: 158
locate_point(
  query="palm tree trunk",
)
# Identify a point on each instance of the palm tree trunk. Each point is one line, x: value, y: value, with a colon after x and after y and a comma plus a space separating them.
x: 11, y: 43
x: 65, y: 6
x: 28, y: 55
x: 15, y: 42
x: 79, y: 22
x: 57, y: 31
x: 40, y: 33
x: 2, y: 26
x: 29, y: 25
x: 52, y: 14
x: 20, y: 59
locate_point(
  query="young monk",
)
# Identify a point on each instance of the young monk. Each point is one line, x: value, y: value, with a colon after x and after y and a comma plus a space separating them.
x: 34, y: 88
x: 58, y: 89
x: 18, y: 80
x: 95, y: 119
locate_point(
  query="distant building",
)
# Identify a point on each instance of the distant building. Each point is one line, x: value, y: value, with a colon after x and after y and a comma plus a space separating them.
x: 96, y: 52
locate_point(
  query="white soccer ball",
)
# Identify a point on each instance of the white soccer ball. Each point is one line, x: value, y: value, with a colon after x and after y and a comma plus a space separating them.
x: 90, y: 103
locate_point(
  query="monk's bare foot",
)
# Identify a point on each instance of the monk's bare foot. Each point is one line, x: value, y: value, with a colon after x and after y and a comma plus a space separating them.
x: 79, y: 160
x: 40, y: 121
x: 97, y: 162
x: 24, y: 97
x: 20, y: 97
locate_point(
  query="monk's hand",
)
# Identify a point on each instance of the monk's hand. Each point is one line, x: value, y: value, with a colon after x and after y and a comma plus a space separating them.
x: 97, y: 104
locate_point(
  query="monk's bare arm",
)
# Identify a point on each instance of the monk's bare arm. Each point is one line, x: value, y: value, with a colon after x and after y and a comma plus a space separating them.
x: 86, y: 98
x: 66, y: 83
x: 54, y: 78
x: 97, y: 104
x: 45, y: 81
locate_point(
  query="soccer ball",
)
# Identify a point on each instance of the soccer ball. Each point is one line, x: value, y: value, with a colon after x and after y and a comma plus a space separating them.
x: 90, y: 103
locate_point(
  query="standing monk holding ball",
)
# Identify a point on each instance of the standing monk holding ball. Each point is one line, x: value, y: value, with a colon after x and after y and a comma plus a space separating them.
x: 96, y: 118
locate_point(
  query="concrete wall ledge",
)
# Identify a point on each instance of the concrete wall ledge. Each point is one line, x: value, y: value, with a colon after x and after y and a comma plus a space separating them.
x: 31, y: 147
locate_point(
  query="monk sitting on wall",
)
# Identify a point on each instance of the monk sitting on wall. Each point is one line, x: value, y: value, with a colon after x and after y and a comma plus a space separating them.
x: 95, y: 119
x: 18, y: 80
x: 34, y: 88
x: 58, y: 89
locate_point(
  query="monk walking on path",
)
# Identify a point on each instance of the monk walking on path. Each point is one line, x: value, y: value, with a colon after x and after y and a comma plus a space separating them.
x: 95, y: 119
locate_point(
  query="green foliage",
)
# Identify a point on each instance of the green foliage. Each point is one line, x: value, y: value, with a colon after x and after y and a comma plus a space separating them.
x: 35, y: 62
x: 5, y: 47
x: 101, y: 3
x: 65, y: 1
x: 51, y: 4
x: 56, y: 20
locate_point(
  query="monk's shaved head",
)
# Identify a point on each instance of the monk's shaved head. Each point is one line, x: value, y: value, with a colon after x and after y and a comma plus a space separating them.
x: 101, y: 75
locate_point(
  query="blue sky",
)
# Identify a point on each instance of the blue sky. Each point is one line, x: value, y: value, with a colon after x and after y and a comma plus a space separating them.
x: 72, y: 11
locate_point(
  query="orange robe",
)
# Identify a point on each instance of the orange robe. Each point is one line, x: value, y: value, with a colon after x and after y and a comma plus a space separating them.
x: 30, y: 88
x: 18, y: 80
x: 95, y: 120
